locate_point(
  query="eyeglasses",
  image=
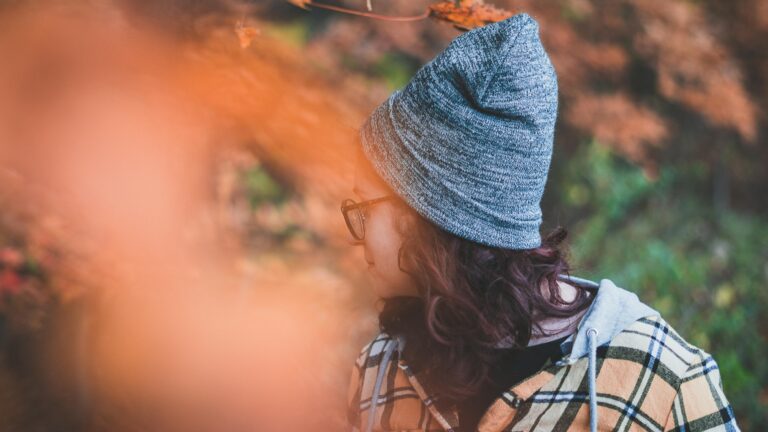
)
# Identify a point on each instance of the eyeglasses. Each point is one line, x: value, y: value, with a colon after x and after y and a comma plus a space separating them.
x: 355, y: 217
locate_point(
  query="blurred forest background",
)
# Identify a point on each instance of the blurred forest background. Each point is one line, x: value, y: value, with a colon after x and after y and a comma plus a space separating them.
x: 660, y: 173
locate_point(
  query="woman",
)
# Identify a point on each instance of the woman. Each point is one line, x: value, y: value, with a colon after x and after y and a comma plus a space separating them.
x: 483, y: 328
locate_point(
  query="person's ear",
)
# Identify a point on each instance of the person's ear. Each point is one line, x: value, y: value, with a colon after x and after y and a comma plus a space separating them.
x: 405, y: 217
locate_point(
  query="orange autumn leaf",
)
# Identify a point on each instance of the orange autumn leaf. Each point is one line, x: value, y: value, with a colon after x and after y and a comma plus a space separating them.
x: 246, y: 34
x: 468, y: 14
x: 301, y: 3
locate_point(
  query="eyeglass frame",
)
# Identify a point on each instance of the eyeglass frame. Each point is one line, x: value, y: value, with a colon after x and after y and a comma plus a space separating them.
x: 346, y: 207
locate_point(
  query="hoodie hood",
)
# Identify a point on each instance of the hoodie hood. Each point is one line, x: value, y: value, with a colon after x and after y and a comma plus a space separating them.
x: 612, y: 310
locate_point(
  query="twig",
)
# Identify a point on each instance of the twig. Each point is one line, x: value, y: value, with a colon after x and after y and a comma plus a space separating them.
x: 367, y: 14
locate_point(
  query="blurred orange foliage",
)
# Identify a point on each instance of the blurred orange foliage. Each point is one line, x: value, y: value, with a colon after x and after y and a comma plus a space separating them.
x: 245, y: 34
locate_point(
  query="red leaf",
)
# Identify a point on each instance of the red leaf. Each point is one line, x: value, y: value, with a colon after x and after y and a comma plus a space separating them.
x: 10, y: 282
x: 11, y: 257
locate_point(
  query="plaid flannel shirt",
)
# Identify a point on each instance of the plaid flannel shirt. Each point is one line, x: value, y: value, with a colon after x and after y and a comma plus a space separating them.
x: 648, y: 379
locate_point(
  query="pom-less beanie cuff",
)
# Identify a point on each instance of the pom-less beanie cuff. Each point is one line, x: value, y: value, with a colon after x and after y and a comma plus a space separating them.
x: 468, y: 142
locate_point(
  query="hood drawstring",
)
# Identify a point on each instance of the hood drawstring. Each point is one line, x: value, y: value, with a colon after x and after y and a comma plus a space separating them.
x: 386, y: 357
x: 592, y: 343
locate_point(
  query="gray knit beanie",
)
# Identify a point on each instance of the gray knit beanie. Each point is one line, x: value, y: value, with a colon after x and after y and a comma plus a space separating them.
x: 468, y: 141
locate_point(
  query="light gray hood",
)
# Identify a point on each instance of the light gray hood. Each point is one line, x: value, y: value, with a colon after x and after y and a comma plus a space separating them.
x: 613, y: 310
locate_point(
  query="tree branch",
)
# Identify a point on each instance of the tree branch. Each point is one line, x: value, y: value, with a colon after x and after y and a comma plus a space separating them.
x: 368, y: 14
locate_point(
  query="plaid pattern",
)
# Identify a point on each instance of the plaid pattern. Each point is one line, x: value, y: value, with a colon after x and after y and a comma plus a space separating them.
x: 648, y: 379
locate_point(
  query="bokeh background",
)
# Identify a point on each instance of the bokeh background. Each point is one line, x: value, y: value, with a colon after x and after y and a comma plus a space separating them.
x: 172, y: 255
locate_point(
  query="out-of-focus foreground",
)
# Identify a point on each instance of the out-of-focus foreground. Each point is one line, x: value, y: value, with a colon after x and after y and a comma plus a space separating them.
x: 172, y: 256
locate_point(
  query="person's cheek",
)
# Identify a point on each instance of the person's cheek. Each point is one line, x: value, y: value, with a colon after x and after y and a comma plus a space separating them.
x: 378, y: 244
x: 395, y: 277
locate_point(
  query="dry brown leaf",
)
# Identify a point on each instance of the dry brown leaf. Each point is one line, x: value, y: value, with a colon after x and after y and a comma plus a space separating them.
x: 301, y: 3
x: 468, y: 14
x: 246, y: 34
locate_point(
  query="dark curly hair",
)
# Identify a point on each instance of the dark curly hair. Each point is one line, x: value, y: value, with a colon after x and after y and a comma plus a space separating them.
x: 471, y: 297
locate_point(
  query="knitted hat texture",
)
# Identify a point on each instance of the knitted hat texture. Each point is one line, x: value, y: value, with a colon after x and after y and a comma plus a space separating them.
x: 468, y: 141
